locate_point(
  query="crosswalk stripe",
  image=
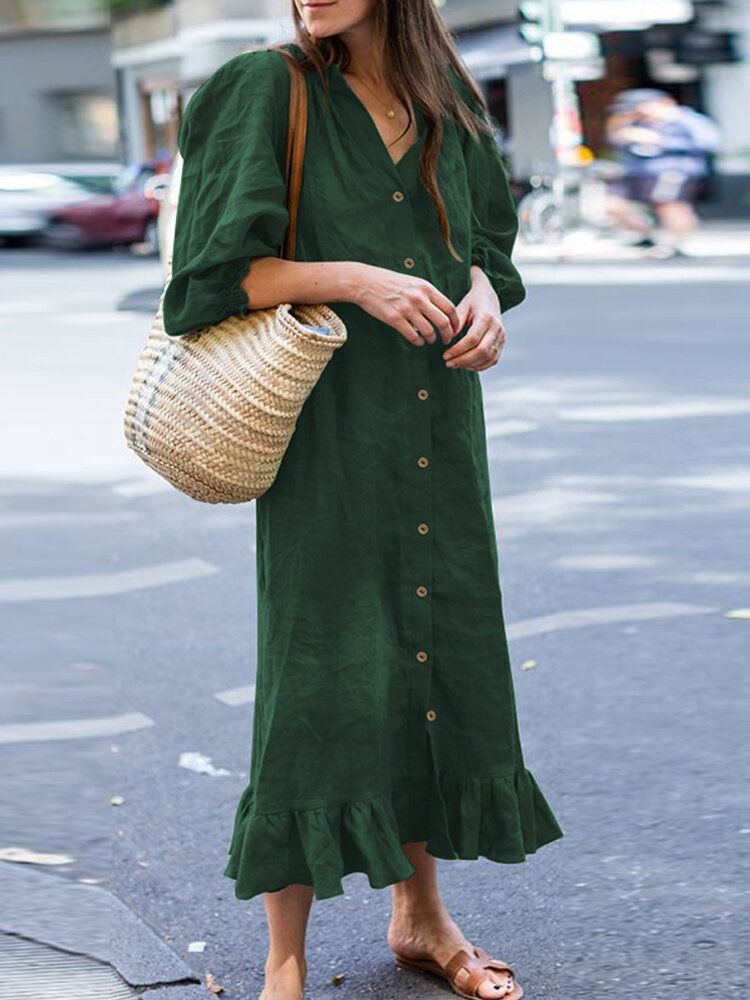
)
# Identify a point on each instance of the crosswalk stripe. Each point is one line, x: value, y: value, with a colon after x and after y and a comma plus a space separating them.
x: 73, y: 729
x: 56, y: 588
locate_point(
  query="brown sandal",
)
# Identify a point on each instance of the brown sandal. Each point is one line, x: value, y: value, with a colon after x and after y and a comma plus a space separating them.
x: 458, y: 972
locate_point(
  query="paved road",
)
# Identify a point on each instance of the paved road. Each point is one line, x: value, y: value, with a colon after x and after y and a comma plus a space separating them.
x: 618, y: 433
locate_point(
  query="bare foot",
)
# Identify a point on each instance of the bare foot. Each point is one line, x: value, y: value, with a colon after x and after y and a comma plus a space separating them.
x: 285, y: 981
x: 437, y: 937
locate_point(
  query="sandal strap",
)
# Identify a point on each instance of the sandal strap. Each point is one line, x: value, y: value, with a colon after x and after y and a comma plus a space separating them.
x: 493, y: 963
x: 469, y: 980
x: 461, y: 960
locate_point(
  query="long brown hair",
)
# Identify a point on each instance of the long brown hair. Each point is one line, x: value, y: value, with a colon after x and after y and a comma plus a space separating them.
x: 418, y: 52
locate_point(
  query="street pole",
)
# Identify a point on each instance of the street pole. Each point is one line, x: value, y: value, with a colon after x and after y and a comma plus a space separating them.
x: 567, y: 132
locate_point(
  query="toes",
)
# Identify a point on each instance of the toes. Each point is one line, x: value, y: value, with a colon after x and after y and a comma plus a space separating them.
x: 497, y: 987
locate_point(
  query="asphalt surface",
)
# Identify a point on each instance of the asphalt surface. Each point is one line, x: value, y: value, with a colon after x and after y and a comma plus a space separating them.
x: 620, y: 458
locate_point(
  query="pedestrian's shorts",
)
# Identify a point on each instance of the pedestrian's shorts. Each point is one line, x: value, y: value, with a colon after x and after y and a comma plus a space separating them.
x: 669, y: 186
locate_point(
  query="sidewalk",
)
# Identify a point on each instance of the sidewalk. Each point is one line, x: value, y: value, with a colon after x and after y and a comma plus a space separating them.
x: 60, y: 938
x: 715, y: 241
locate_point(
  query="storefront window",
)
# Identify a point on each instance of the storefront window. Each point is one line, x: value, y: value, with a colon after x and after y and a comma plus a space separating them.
x: 85, y: 125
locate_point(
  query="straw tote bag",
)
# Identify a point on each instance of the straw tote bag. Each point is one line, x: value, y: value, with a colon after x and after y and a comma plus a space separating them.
x: 213, y: 411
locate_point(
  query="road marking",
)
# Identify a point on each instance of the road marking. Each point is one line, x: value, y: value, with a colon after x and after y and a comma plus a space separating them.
x: 619, y: 274
x: 680, y: 409
x: 710, y: 578
x: 604, y: 562
x: 73, y: 729
x: 547, y: 506
x: 726, y: 480
x: 142, y: 487
x: 612, y: 615
x: 56, y: 588
x: 237, y: 696
x: 53, y: 520
x: 21, y: 308
x: 95, y: 318
x: 502, y: 428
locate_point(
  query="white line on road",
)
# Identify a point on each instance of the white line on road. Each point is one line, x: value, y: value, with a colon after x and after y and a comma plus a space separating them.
x: 726, y: 480
x: 237, y: 696
x: 73, y: 729
x: 142, y: 487
x: 21, y: 308
x: 612, y: 615
x: 679, y: 409
x: 548, y: 505
x: 575, y: 274
x: 96, y: 318
x: 56, y: 588
x: 605, y: 561
x: 503, y: 428
x: 55, y: 520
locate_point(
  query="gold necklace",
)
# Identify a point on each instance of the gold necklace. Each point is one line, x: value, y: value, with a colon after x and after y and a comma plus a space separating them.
x: 389, y: 112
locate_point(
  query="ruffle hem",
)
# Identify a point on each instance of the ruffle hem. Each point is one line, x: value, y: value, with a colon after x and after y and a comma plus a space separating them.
x: 503, y: 819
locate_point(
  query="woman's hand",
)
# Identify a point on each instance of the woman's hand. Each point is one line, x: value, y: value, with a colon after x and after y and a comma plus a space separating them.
x: 483, y: 342
x: 412, y: 306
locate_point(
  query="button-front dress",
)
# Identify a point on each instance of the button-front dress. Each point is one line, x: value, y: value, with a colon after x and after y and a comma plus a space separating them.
x: 384, y: 708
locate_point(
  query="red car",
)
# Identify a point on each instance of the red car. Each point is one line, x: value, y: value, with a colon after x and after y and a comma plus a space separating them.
x: 125, y: 215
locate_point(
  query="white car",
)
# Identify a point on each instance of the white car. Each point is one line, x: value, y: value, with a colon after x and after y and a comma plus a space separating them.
x: 28, y: 198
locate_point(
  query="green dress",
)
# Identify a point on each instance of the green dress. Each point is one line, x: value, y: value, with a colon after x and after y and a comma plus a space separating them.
x: 384, y: 709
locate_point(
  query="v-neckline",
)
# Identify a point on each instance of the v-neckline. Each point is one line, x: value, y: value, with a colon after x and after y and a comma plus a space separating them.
x: 418, y: 117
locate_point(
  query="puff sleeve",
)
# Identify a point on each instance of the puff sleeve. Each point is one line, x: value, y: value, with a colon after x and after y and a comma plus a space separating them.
x: 493, y: 211
x: 231, y: 206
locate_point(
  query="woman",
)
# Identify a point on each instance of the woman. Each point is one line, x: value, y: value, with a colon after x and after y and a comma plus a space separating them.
x: 385, y: 733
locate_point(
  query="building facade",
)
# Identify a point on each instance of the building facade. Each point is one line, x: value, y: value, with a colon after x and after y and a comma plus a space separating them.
x: 162, y: 55
x: 57, y: 86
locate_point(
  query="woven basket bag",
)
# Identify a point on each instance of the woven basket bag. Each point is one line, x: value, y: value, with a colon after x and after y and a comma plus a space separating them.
x: 213, y: 411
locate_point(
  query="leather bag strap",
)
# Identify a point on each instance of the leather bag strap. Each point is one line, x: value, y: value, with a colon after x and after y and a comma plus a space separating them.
x: 295, y: 149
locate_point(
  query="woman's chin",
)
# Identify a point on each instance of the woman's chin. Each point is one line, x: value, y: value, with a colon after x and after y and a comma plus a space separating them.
x: 321, y: 31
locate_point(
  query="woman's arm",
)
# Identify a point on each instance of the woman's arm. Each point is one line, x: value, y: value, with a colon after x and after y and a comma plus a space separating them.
x: 496, y: 285
x: 412, y: 306
x: 232, y: 218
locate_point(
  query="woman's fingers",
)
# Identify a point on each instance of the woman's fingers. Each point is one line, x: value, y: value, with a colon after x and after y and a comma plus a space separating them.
x: 481, y: 347
x: 495, y: 356
x: 462, y: 351
x: 421, y: 324
x: 441, y: 320
x: 412, y: 306
x: 446, y: 307
x: 400, y: 323
x: 494, y: 347
x: 480, y: 321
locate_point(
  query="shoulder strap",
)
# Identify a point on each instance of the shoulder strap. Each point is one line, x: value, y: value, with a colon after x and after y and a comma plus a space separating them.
x: 295, y: 149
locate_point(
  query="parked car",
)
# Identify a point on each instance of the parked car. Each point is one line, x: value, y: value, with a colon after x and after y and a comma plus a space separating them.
x: 93, y: 176
x: 125, y: 215
x: 28, y: 198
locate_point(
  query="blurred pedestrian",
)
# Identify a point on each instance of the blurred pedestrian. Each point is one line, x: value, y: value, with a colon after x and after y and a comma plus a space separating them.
x: 664, y: 149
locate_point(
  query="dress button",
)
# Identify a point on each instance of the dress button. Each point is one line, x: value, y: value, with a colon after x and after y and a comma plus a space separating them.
x: 423, y: 529
x: 422, y: 463
x: 431, y: 716
x: 422, y: 656
x: 398, y: 196
x: 423, y: 394
x: 421, y: 591
x: 409, y: 262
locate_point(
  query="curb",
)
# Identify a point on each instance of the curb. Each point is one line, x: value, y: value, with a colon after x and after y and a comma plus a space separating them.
x: 89, y: 920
